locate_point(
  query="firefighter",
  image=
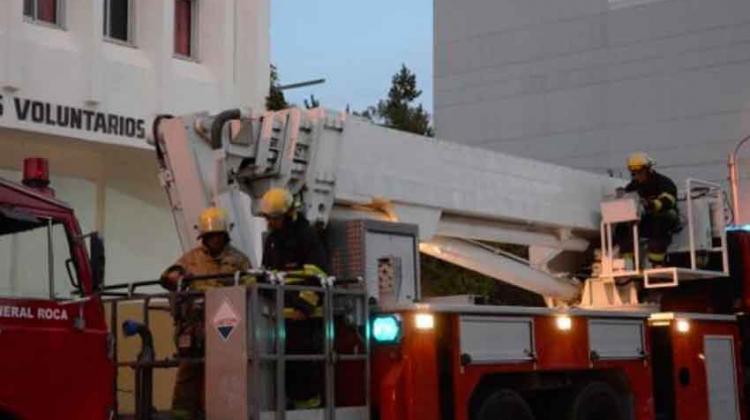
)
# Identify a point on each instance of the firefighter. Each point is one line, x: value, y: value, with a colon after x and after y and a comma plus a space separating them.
x: 294, y: 246
x: 660, y: 219
x: 214, y: 256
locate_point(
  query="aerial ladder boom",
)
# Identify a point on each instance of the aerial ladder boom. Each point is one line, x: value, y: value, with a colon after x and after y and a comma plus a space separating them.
x: 344, y: 167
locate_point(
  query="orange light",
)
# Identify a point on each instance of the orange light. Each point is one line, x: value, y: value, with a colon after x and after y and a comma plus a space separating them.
x: 564, y: 323
x: 425, y: 321
x: 683, y: 326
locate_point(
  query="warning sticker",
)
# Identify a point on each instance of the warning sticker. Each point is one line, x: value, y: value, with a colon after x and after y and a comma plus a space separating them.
x: 225, y: 320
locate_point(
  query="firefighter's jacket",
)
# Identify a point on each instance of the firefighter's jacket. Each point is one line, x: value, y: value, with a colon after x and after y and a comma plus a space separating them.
x: 188, y: 310
x: 659, y: 192
x: 296, y: 245
x: 298, y: 250
x: 198, y: 262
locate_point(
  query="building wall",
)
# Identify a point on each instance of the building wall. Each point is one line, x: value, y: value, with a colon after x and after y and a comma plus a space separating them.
x: 75, y: 67
x: 104, y: 166
x: 107, y: 173
x: 585, y: 82
x: 114, y: 190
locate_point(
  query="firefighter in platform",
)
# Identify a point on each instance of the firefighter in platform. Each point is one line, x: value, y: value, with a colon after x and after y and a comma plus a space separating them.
x: 295, y: 247
x: 214, y: 256
x: 660, y: 219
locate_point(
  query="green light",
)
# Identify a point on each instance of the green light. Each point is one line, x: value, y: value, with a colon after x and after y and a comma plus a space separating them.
x: 386, y: 329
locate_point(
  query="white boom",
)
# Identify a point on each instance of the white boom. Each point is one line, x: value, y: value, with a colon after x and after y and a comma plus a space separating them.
x: 346, y: 167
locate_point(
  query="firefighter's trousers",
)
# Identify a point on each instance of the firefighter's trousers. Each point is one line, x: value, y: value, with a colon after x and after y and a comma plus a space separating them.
x: 304, y: 379
x: 657, y: 228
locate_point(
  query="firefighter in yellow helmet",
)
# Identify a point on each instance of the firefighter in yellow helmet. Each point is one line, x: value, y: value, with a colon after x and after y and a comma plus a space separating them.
x: 660, y: 220
x: 294, y: 245
x: 214, y: 256
x: 292, y: 242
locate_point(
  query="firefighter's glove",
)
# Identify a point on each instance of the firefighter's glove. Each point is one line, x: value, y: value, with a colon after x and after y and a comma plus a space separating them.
x: 172, y: 276
x: 653, y: 206
x: 307, y: 271
x: 299, y: 303
x: 314, y: 270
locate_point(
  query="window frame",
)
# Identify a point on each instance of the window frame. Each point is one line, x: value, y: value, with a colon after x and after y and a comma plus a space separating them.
x: 130, y: 41
x: 55, y: 228
x: 194, y: 31
x: 34, y: 19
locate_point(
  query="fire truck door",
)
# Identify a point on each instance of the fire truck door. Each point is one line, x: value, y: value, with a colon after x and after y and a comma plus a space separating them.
x: 720, y: 375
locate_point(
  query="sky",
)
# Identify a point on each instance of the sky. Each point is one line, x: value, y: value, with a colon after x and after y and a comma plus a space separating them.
x: 355, y: 45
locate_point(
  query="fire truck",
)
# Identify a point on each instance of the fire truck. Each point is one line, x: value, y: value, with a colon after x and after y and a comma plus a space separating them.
x: 55, y: 345
x: 613, y: 340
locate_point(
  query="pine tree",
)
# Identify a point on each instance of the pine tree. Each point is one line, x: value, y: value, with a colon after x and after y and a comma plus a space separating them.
x: 398, y: 110
x: 275, y: 100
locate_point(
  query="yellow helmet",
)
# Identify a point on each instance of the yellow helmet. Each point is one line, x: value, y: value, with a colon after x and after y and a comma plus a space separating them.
x: 276, y: 202
x: 212, y: 220
x: 638, y: 161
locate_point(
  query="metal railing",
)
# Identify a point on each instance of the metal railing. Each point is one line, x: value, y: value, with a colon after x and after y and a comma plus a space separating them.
x: 340, y: 299
x: 279, y: 358
x: 716, y: 196
x: 716, y: 193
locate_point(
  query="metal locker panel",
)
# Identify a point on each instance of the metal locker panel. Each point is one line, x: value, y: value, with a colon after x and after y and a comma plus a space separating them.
x: 616, y: 339
x: 357, y: 246
x: 380, y: 245
x: 720, y: 375
x: 497, y: 339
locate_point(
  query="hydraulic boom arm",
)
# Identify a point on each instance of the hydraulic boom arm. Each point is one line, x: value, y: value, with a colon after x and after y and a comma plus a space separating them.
x: 346, y: 167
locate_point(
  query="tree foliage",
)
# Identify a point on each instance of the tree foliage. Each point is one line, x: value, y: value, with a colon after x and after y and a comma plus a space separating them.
x: 398, y: 110
x: 275, y: 100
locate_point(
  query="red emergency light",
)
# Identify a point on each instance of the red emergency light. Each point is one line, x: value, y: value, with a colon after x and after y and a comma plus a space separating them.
x: 36, y: 175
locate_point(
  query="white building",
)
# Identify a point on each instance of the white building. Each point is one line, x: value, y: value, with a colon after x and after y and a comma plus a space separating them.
x: 585, y: 82
x: 80, y: 82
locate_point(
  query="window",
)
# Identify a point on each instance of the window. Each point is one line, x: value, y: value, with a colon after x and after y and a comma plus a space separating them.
x: 47, y: 11
x: 118, y: 20
x: 25, y: 256
x: 185, y: 27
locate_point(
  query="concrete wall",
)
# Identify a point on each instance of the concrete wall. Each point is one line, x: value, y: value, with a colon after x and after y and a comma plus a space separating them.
x: 114, y: 190
x: 48, y: 74
x: 584, y: 82
x: 76, y: 67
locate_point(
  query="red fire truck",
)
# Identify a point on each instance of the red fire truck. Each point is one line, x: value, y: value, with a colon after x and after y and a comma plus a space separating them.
x: 610, y: 341
x: 54, y: 341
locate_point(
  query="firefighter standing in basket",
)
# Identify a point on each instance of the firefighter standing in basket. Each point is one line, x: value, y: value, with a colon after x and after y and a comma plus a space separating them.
x: 214, y: 256
x: 295, y: 247
x: 660, y: 220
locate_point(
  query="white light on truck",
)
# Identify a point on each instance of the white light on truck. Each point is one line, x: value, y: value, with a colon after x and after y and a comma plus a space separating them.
x: 425, y: 321
x: 683, y: 326
x: 564, y: 323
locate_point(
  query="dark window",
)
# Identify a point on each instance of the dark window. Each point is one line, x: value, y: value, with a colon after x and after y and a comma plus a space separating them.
x: 117, y: 19
x: 43, y: 10
x: 184, y: 26
x: 28, y: 8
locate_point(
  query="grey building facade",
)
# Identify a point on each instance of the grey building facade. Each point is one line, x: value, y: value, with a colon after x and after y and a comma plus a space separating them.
x: 584, y: 82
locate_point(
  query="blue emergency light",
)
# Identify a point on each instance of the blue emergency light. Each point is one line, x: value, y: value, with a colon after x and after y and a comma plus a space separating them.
x: 386, y: 329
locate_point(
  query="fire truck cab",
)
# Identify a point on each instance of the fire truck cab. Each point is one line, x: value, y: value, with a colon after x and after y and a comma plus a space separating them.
x: 54, y: 343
